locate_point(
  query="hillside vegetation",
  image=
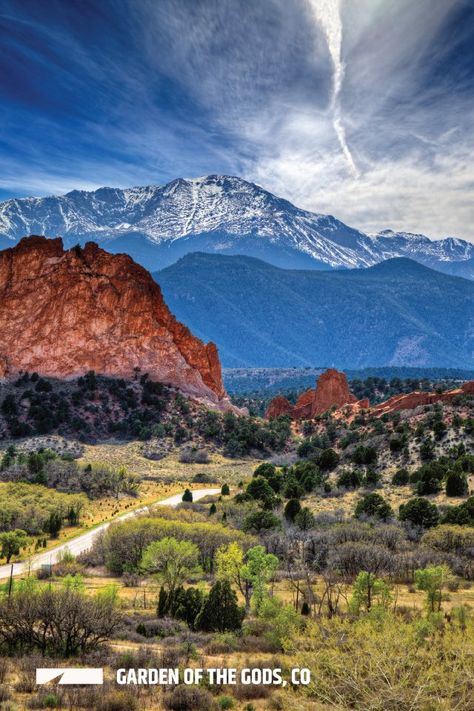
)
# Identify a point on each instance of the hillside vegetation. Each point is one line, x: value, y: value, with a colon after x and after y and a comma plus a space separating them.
x: 260, y: 315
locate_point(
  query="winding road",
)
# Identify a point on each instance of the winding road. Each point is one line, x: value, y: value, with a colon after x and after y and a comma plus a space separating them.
x: 85, y: 540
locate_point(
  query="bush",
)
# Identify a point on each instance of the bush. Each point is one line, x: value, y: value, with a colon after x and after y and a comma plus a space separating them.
x: 373, y: 505
x: 188, y: 698
x: 419, y: 512
x: 305, y: 520
x: 328, y: 459
x: 456, y: 484
x: 260, y: 521
x: 225, y: 702
x: 292, y: 509
x: 364, y: 455
x: 401, y: 477
x: 349, y: 479
x: 39, y: 618
x: 118, y: 701
x: 260, y: 490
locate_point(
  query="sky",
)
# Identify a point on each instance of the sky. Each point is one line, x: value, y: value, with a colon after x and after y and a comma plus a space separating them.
x: 358, y: 108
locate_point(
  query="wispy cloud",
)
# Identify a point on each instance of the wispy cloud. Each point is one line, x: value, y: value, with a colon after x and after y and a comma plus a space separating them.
x: 360, y: 108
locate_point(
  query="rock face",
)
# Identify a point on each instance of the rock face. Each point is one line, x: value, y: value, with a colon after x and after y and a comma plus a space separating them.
x: 279, y: 406
x: 332, y: 390
x: 63, y: 313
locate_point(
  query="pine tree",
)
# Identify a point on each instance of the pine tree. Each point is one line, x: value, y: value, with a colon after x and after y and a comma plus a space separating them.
x: 187, y: 496
x: 292, y: 509
x: 162, y: 608
x: 456, y: 484
x: 221, y: 612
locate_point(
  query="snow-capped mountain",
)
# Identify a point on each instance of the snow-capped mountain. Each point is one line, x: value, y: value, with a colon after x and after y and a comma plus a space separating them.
x: 158, y: 224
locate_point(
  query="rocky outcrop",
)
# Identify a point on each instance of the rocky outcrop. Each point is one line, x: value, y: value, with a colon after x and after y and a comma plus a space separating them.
x: 304, y: 405
x: 332, y: 390
x: 279, y: 406
x: 410, y: 401
x: 63, y: 313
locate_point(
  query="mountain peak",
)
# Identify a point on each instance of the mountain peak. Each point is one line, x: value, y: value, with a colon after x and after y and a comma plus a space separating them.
x: 224, y: 214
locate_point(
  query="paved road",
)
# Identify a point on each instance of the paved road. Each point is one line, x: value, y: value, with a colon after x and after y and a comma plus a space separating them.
x: 84, y: 541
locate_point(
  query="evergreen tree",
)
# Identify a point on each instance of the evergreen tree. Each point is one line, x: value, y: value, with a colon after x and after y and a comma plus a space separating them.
x: 373, y: 505
x: 163, y: 605
x: 456, y: 484
x: 187, y: 496
x: 292, y: 509
x: 220, y: 612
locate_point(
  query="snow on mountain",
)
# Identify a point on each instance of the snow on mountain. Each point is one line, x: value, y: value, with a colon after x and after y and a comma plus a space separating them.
x: 224, y: 214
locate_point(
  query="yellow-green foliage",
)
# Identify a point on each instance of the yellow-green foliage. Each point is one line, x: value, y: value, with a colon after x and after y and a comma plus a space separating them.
x: 28, y: 506
x: 383, y: 663
x: 124, y: 543
x: 450, y: 539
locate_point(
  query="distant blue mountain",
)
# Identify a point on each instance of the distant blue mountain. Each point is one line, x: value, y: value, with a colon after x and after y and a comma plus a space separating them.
x: 221, y: 215
x: 397, y: 313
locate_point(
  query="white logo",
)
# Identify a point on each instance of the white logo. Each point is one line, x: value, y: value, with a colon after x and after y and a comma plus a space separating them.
x: 70, y: 675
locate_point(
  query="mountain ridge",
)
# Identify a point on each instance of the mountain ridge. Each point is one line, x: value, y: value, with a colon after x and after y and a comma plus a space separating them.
x: 157, y: 225
x: 398, y: 313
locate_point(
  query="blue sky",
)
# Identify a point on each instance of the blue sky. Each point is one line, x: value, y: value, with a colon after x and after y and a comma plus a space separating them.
x: 359, y: 108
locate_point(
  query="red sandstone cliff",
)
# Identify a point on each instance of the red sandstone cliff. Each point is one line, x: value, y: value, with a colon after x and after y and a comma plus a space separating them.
x: 63, y: 313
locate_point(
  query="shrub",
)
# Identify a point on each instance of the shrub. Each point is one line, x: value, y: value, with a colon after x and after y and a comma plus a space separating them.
x: 118, y: 701
x: 260, y: 521
x: 188, y: 698
x: 243, y: 692
x: 462, y: 514
x: 372, y: 478
x: 260, y: 490
x: 38, y: 618
x: 456, y: 484
x: 401, y: 477
x: 225, y: 702
x: 187, y: 496
x: 419, y: 512
x: 328, y: 459
x: 364, y: 455
x: 292, y: 509
x: 305, y: 519
x: 373, y: 505
x: 349, y: 479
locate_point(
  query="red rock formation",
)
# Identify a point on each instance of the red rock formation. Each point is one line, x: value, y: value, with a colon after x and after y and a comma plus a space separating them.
x: 63, y: 313
x: 279, y: 406
x: 304, y: 405
x: 332, y: 390
x: 409, y: 401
